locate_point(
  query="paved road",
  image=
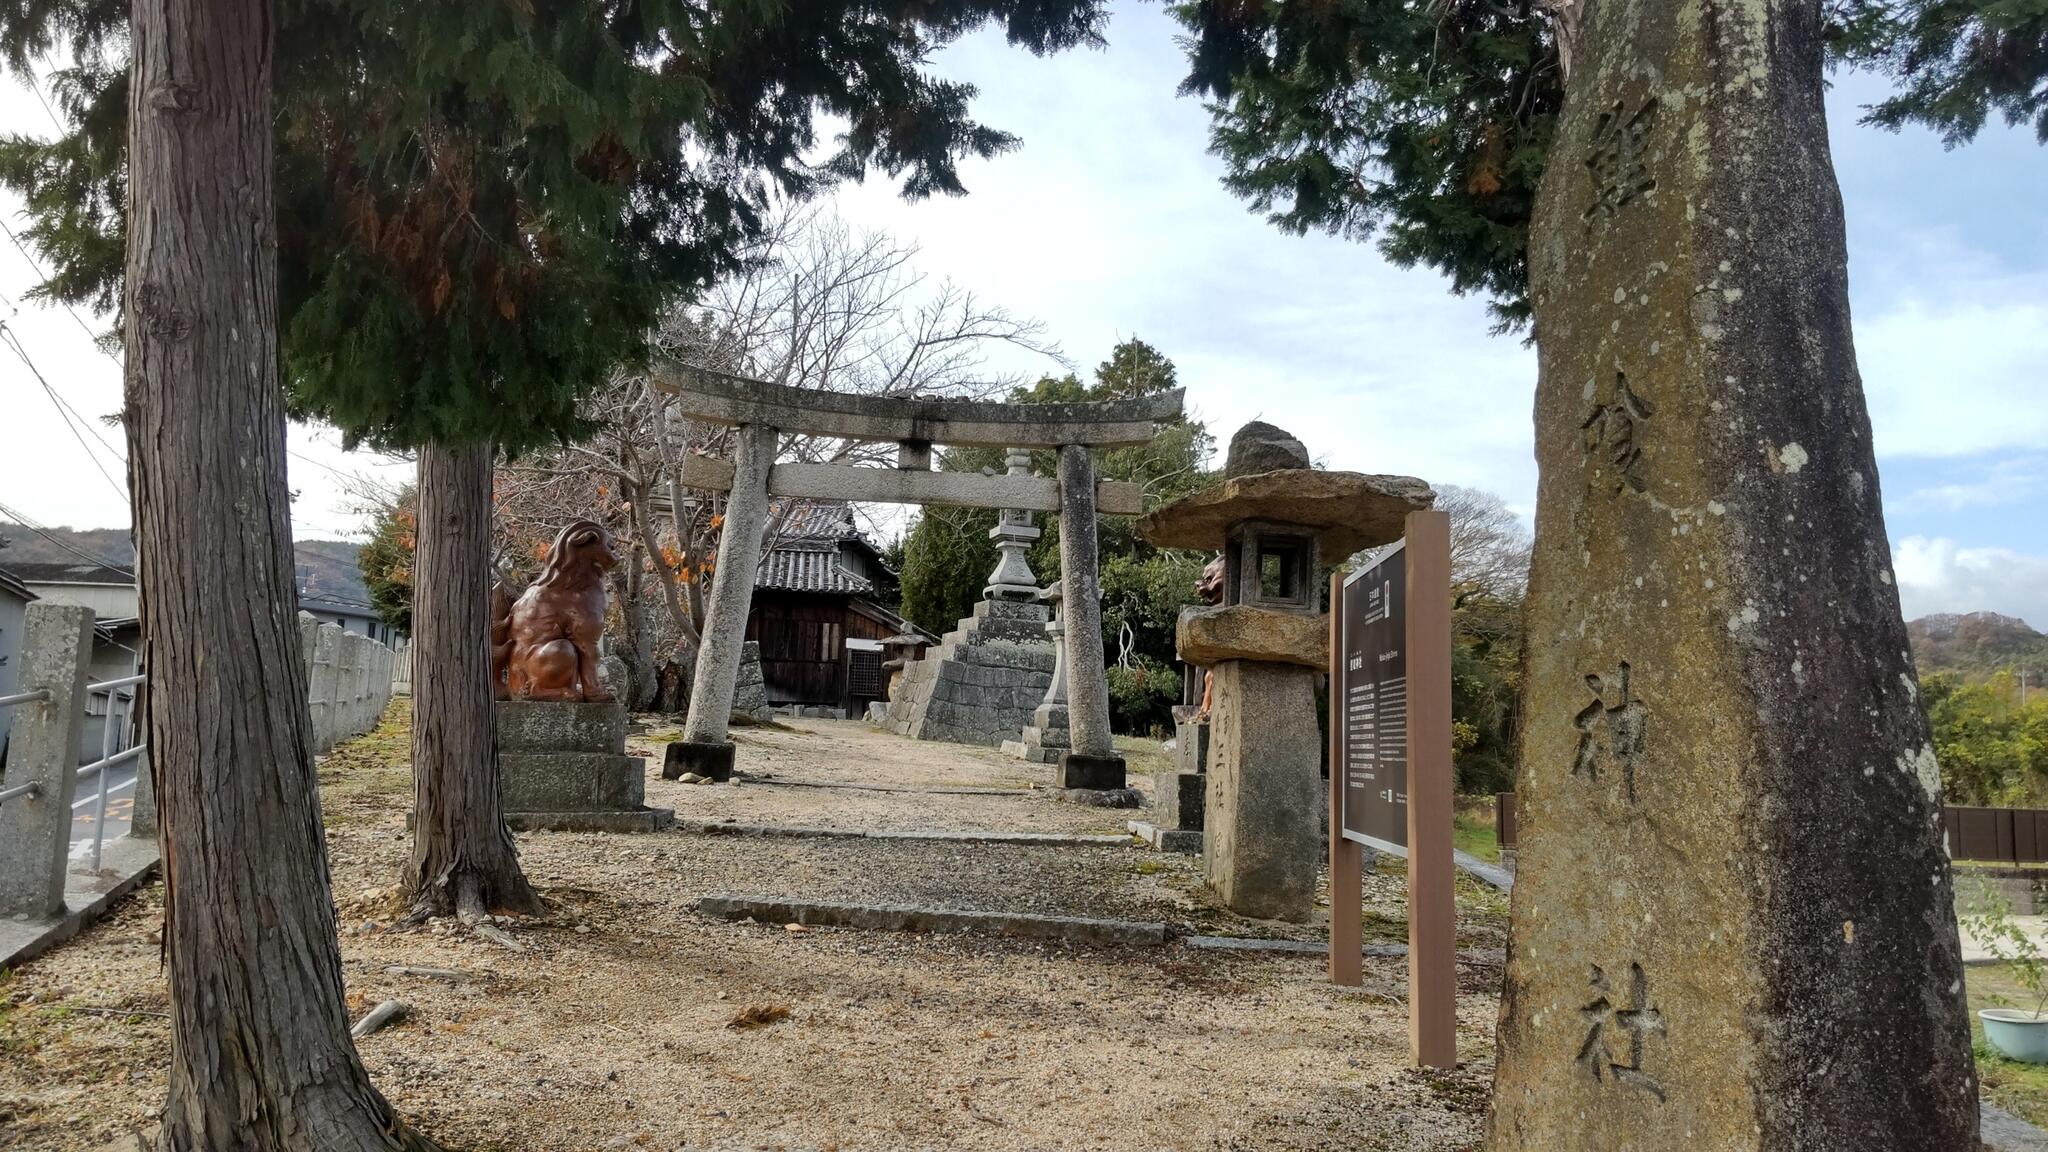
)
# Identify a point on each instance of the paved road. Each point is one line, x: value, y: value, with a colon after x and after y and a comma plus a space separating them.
x: 120, y: 806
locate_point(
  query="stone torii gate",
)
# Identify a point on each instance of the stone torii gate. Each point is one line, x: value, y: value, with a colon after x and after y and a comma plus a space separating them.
x: 761, y: 412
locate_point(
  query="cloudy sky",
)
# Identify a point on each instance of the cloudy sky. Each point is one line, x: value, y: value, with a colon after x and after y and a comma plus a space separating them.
x: 1110, y: 222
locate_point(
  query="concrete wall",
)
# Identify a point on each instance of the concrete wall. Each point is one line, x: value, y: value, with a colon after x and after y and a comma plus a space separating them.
x: 348, y: 681
x: 107, y: 601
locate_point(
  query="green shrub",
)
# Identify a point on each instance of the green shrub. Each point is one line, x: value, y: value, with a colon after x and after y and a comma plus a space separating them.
x: 1141, y: 697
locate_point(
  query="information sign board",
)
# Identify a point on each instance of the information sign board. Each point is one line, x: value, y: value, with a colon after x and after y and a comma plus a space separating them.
x: 1374, y: 703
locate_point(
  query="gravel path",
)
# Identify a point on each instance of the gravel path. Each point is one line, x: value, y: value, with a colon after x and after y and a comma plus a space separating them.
x: 613, y: 1027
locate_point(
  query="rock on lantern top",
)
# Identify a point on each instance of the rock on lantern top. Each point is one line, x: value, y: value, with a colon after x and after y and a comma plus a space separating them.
x: 1268, y: 478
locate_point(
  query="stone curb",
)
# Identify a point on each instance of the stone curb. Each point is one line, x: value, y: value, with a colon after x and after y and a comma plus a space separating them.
x: 644, y: 820
x: 2004, y: 1132
x: 899, y: 918
x: 132, y: 861
x: 1492, y: 874
x: 1322, y: 948
x: 1059, y: 839
x: 780, y: 783
x: 1166, y: 839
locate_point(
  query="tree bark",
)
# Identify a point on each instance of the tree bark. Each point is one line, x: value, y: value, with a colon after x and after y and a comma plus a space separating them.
x: 463, y: 858
x: 260, y: 1052
x: 637, y: 652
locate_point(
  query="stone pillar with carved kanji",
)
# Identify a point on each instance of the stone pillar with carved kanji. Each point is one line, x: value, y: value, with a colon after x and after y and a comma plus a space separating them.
x: 1732, y: 922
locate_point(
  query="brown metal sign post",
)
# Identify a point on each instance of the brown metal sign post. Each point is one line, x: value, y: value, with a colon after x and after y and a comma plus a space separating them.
x: 1390, y: 767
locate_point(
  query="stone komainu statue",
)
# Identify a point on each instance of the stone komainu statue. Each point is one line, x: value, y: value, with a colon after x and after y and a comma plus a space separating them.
x: 544, y: 646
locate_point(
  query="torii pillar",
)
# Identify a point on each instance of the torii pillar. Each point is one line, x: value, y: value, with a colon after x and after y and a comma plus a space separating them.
x: 704, y: 748
x: 1090, y: 760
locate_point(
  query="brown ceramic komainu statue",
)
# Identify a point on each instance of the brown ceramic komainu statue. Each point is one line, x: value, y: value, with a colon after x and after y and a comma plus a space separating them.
x: 1209, y: 590
x: 544, y: 646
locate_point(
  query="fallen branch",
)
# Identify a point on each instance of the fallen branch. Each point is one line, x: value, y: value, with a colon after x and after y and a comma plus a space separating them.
x: 499, y: 936
x: 383, y: 1015
x: 448, y: 974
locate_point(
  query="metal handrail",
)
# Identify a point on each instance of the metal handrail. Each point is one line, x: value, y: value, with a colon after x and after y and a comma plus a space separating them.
x: 123, y: 682
x: 7, y: 794
x: 102, y: 765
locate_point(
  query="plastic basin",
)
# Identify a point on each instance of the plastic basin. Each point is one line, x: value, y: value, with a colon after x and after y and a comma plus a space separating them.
x: 2020, y: 1035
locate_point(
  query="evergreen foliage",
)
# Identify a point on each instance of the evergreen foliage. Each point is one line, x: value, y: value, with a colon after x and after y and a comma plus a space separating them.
x: 483, y: 208
x: 1956, y: 62
x: 1427, y: 126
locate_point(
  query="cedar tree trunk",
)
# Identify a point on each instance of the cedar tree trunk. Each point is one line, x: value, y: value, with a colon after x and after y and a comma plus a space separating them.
x: 260, y: 1052
x: 463, y: 859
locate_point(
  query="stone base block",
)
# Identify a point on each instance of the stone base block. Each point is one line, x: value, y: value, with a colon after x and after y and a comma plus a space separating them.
x: 1166, y: 839
x: 551, y: 726
x: 571, y: 781
x: 1102, y: 797
x: 1079, y: 770
x: 711, y: 761
x: 638, y: 820
x: 1178, y: 798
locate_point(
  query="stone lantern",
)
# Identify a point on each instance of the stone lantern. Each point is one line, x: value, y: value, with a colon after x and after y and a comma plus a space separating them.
x: 1277, y: 521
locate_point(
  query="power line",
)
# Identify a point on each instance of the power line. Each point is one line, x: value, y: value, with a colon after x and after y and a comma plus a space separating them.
x: 14, y: 341
x: 30, y: 523
x: 83, y: 326
x: 65, y: 412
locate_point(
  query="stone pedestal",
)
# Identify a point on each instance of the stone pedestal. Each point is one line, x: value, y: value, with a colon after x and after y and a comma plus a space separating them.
x: 1050, y: 732
x: 1261, y: 833
x: 982, y: 683
x: 563, y: 767
x: 1045, y: 738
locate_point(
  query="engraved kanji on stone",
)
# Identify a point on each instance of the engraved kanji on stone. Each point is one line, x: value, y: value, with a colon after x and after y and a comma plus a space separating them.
x: 1613, y: 434
x: 1619, y: 163
x: 1611, y: 734
x: 1637, y: 1020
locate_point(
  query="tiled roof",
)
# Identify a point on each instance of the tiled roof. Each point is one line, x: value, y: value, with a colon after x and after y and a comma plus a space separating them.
x: 820, y: 520
x: 806, y: 554
x: 10, y: 583
x: 810, y: 566
x: 70, y: 572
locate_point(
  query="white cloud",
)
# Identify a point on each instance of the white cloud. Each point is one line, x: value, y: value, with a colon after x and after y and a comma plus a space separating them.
x: 1938, y: 575
x: 1960, y: 368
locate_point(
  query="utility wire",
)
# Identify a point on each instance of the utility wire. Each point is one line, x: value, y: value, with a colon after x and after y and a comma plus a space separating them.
x: 30, y: 523
x: 33, y: 263
x: 65, y: 413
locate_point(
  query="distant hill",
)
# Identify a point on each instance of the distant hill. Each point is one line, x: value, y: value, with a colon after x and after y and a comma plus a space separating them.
x: 326, y: 568
x: 1979, y: 642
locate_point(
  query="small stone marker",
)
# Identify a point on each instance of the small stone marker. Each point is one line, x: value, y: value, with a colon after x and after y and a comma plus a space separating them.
x: 1733, y: 917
